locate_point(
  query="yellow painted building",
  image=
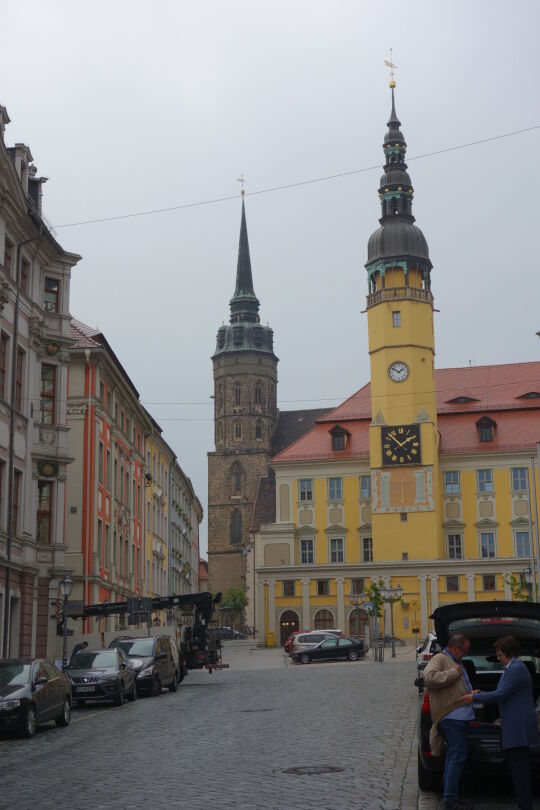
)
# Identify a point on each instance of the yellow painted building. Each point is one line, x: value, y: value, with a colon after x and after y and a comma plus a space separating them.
x: 159, y: 458
x: 422, y: 478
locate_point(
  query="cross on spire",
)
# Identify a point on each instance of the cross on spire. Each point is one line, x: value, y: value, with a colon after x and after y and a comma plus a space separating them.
x: 242, y: 181
x: 392, y: 67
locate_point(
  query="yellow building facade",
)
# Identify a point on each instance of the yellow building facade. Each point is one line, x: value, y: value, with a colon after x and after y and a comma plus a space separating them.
x: 422, y: 478
x: 159, y: 458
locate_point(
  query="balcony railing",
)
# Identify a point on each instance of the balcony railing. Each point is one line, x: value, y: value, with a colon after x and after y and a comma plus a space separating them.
x: 399, y: 294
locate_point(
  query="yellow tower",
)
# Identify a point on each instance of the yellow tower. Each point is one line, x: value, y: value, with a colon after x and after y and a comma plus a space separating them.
x: 403, y: 435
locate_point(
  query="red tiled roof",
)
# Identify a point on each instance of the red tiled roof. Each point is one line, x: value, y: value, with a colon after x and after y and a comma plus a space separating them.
x: 83, y: 335
x: 496, y: 391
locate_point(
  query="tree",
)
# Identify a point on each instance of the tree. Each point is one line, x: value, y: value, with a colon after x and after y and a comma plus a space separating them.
x: 520, y: 589
x: 233, y: 603
x: 373, y: 593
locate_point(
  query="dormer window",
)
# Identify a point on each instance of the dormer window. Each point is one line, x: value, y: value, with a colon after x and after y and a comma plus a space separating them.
x: 463, y: 399
x: 486, y: 429
x: 340, y: 437
x: 530, y: 395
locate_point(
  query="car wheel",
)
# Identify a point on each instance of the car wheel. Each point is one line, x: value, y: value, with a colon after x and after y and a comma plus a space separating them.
x: 305, y: 658
x: 65, y: 717
x: 132, y: 696
x: 352, y: 655
x: 174, y: 685
x: 29, y: 723
x: 118, y: 700
x: 427, y: 780
x: 156, y: 688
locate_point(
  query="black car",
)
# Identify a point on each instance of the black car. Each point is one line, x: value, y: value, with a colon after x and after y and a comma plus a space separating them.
x: 483, y: 623
x: 102, y: 675
x: 331, y: 648
x: 32, y: 691
x: 155, y: 661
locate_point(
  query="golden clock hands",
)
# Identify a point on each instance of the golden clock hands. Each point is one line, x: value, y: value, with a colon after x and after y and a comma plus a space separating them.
x: 397, y: 441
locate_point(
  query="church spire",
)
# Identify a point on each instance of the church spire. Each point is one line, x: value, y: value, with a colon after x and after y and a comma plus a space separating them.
x: 398, y: 242
x: 244, y: 303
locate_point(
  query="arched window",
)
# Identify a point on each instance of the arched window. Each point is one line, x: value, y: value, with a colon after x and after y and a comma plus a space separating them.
x: 237, y: 393
x: 220, y: 432
x: 258, y: 429
x: 258, y: 394
x: 236, y: 528
x: 238, y: 429
x: 236, y: 478
x: 394, y: 204
x: 324, y: 620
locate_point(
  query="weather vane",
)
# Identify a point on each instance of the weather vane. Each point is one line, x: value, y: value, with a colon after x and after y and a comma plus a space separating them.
x: 241, y: 180
x: 392, y: 67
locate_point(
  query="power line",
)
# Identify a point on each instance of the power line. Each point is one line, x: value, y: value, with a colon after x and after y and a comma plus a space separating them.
x: 297, y: 184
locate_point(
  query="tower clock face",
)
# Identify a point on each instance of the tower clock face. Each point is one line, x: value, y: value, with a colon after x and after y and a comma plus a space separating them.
x: 401, y: 445
x: 398, y: 371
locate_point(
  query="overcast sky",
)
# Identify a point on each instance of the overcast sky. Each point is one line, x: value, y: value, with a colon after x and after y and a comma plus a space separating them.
x: 129, y: 106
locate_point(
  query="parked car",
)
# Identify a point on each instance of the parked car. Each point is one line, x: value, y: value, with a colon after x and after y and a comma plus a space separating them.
x: 310, y: 638
x: 289, y: 643
x: 427, y: 650
x: 102, y: 675
x: 483, y: 623
x: 330, y: 648
x: 226, y: 633
x: 32, y: 691
x: 155, y: 661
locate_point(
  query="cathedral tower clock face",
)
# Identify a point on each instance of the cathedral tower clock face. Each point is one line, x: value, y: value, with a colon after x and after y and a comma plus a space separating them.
x: 401, y: 445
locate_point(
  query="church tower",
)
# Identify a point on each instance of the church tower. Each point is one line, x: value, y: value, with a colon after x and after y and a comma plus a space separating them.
x: 406, y: 522
x: 245, y: 413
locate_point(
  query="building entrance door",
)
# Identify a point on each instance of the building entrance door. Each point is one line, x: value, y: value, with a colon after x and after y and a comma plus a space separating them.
x: 288, y: 624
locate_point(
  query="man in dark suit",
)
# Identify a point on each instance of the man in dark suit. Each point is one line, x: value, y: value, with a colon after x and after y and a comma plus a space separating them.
x: 519, y: 726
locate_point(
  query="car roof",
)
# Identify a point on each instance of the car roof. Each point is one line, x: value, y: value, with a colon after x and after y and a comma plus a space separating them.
x: 496, y: 618
x: 22, y: 660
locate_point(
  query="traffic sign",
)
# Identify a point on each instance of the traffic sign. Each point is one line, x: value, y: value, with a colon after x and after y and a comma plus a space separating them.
x: 368, y: 605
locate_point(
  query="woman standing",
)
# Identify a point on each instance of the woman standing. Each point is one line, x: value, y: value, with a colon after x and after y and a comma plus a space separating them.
x: 514, y: 695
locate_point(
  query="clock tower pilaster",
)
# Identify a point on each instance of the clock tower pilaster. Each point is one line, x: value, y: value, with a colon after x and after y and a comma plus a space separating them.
x: 403, y: 434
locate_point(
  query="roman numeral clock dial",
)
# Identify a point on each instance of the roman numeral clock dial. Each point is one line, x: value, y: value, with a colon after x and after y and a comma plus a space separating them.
x: 401, y: 445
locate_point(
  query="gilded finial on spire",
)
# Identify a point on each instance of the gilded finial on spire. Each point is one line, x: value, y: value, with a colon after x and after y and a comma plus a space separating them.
x: 242, y: 181
x: 392, y: 67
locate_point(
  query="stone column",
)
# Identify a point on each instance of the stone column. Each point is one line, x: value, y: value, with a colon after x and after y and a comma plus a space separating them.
x: 422, y: 579
x: 470, y: 587
x: 340, y: 603
x: 306, y: 620
x: 434, y: 592
x: 259, y: 609
x: 272, y: 607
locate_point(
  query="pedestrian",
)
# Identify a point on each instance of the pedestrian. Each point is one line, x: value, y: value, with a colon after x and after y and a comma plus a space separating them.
x: 448, y: 685
x: 82, y: 645
x: 519, y: 725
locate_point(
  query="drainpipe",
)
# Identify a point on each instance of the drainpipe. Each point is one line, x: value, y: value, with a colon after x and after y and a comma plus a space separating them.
x: 88, y: 556
x: 11, y: 458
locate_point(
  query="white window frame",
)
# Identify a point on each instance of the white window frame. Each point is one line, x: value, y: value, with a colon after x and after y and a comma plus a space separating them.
x: 363, y: 548
x: 301, y: 494
x: 363, y: 478
x: 338, y: 551
x: 479, y: 487
x: 308, y: 553
x: 448, y: 490
x: 488, y: 556
x: 522, y: 556
x: 448, y: 554
x: 519, y: 470
x: 330, y: 480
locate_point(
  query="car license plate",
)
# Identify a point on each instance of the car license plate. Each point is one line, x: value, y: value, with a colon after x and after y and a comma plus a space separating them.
x: 86, y: 689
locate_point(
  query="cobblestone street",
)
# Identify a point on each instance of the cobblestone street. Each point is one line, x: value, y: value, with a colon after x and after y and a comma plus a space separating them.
x: 227, y: 741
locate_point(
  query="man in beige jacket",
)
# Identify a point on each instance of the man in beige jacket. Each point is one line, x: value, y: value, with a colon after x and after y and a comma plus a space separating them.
x: 447, y: 683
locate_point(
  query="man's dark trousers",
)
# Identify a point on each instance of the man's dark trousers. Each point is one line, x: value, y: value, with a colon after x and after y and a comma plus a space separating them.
x: 519, y: 765
x: 455, y: 732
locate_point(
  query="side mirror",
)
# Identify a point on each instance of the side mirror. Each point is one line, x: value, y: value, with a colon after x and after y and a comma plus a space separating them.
x: 123, y: 665
x: 41, y: 680
x: 419, y: 649
x: 161, y: 656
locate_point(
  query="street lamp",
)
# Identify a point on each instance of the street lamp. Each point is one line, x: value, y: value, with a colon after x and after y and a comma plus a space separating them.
x: 66, y: 586
x: 391, y: 595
